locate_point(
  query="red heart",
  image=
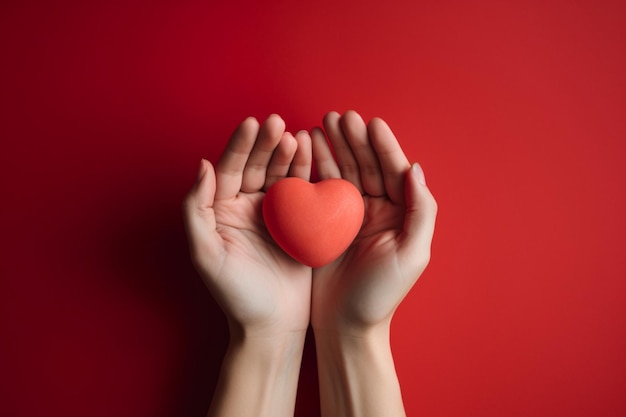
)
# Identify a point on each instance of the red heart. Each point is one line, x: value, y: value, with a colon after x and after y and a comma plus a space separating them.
x: 313, y: 223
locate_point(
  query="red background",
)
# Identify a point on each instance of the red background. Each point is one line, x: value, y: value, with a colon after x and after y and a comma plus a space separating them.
x: 514, y: 108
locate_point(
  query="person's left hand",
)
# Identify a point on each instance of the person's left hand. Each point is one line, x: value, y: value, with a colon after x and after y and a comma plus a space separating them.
x: 363, y: 287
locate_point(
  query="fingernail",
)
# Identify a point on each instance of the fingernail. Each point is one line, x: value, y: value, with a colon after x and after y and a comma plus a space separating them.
x: 418, y: 172
x: 202, y: 171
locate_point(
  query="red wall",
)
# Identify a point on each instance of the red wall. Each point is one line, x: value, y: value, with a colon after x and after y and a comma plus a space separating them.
x: 514, y: 108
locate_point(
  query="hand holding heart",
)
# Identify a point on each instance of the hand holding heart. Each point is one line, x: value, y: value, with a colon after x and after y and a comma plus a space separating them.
x: 262, y: 288
x: 364, y: 286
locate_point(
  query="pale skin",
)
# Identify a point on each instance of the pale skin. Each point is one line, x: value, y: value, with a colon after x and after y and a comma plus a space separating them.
x: 270, y: 299
x: 355, y: 297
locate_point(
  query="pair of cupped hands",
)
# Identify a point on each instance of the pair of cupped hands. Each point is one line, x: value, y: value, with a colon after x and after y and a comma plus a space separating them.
x: 261, y: 289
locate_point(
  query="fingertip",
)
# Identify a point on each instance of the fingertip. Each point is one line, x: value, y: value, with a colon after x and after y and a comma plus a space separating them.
x: 246, y: 131
x: 206, y: 169
x: 418, y: 194
x: 377, y: 123
x: 352, y: 118
x: 203, y: 168
x: 303, y: 139
x: 420, y: 218
x: 325, y: 164
x: 276, y: 120
x: 302, y: 160
x: 202, y: 193
x: 330, y: 116
x: 316, y: 130
x: 250, y: 122
x: 288, y: 141
x: 380, y: 132
x: 206, y: 185
x: 418, y: 173
x: 317, y: 136
x: 351, y: 114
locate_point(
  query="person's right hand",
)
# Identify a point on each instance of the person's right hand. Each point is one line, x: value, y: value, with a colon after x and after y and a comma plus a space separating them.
x: 260, y: 288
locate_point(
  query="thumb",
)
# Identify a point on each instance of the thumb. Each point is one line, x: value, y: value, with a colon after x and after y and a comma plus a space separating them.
x: 203, y: 191
x: 198, y: 211
x: 419, y: 220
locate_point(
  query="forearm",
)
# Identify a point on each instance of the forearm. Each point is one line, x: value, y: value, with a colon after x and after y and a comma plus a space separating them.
x: 259, y: 376
x: 357, y: 375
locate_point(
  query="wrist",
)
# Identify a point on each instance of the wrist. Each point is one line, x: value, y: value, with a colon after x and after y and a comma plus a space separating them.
x: 357, y: 375
x: 349, y: 343
x: 276, y: 344
x: 261, y: 368
x: 340, y: 327
x: 268, y: 346
x: 265, y: 332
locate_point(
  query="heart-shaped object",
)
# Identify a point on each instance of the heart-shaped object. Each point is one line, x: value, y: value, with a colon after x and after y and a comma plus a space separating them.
x: 313, y: 223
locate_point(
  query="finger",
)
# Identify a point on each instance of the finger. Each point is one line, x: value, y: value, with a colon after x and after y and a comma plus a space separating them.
x: 324, y: 161
x: 355, y: 131
x: 419, y: 221
x: 301, y: 165
x: 393, y: 162
x: 230, y: 167
x: 345, y: 158
x: 281, y: 159
x: 199, y: 215
x: 203, y: 191
x: 256, y: 168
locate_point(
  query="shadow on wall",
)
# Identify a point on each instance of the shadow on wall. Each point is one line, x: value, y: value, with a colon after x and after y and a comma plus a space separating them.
x: 151, y: 254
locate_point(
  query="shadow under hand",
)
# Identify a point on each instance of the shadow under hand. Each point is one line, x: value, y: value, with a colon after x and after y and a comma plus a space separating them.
x: 151, y: 256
